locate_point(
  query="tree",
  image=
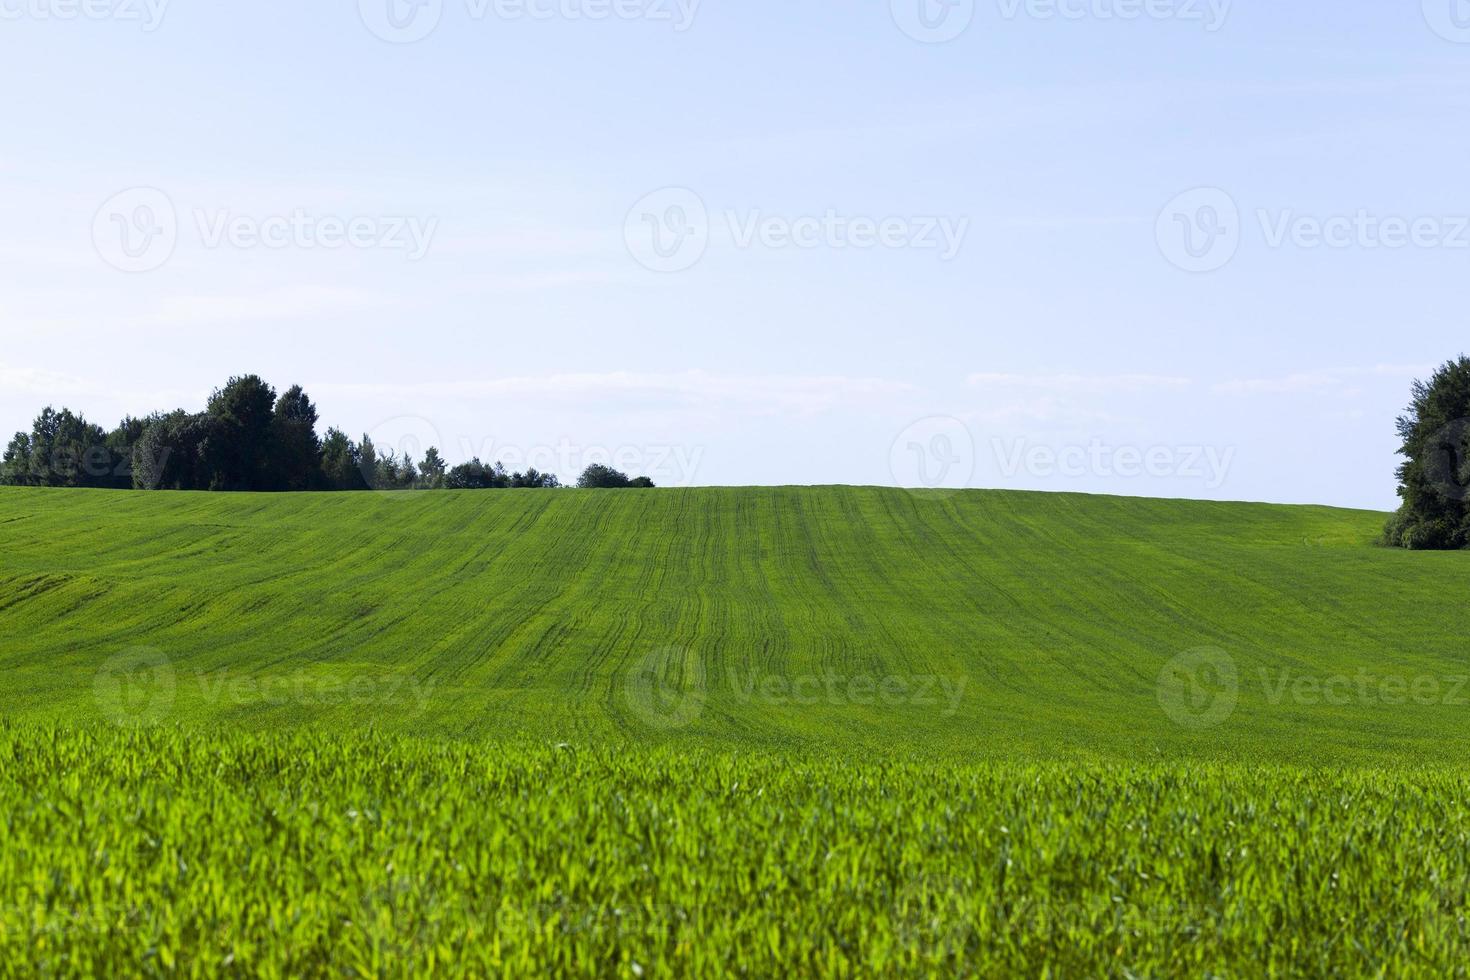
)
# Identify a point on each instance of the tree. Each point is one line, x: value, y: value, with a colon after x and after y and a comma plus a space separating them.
x: 246, y: 439
x: 1434, y: 480
x: 475, y: 475
x: 341, y: 462
x: 432, y: 470
x: 179, y: 451
x: 62, y: 450
x: 15, y: 467
x: 368, y: 463
x: 534, y: 479
x: 244, y: 409
x: 298, y: 451
x: 600, y: 477
x: 384, y: 471
x: 151, y: 455
x: 408, y: 474
x: 120, y: 443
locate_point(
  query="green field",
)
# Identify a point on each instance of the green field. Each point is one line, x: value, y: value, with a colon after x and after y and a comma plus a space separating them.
x: 292, y: 855
x: 826, y: 730
x: 997, y: 625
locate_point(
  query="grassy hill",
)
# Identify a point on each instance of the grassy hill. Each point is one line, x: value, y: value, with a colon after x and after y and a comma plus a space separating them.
x: 979, y: 625
x: 830, y: 731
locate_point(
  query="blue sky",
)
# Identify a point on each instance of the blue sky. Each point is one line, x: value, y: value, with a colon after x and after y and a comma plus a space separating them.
x: 883, y: 257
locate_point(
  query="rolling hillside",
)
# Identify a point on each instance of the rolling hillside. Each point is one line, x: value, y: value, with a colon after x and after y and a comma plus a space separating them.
x: 982, y: 624
x: 832, y: 731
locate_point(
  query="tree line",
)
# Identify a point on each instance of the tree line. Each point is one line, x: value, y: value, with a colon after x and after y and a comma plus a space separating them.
x: 247, y: 439
x: 1434, y: 480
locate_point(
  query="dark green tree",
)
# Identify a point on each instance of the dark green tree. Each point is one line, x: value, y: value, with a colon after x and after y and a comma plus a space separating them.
x: 374, y: 472
x: 1434, y: 480
x: 534, y: 479
x: 15, y: 466
x: 120, y: 443
x: 475, y: 475
x: 406, y: 474
x: 179, y: 451
x: 298, y: 450
x: 341, y: 462
x: 244, y: 409
x: 62, y: 450
x: 247, y: 439
x: 600, y: 477
x: 388, y: 472
x: 432, y: 470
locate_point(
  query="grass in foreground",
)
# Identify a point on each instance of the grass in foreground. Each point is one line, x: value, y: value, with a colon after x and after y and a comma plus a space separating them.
x: 162, y: 853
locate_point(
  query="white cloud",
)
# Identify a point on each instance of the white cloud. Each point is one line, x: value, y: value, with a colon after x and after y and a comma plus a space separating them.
x: 1079, y: 383
x: 27, y: 389
x: 697, y: 389
x: 1290, y: 384
x: 46, y: 383
x: 1051, y: 413
x: 1332, y: 381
